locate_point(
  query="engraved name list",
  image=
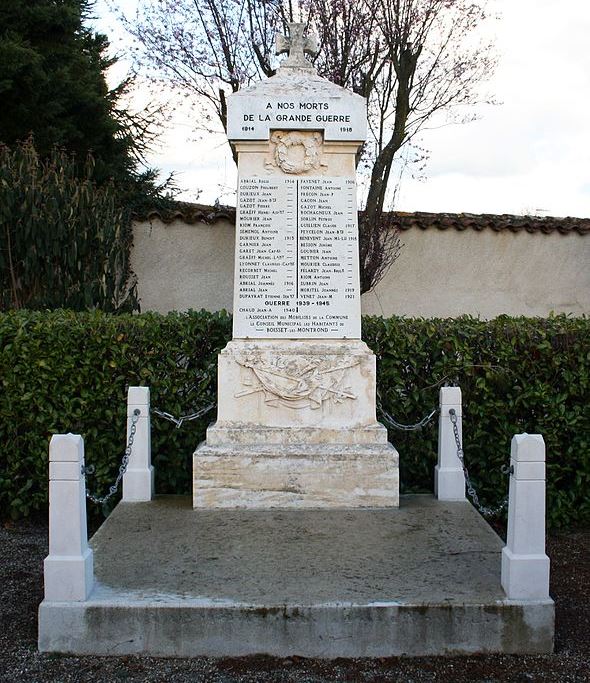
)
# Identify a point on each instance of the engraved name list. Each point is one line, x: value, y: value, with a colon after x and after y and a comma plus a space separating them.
x: 297, y: 258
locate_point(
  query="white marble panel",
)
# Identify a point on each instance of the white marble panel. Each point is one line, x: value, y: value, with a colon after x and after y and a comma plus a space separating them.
x: 252, y: 117
x: 297, y: 268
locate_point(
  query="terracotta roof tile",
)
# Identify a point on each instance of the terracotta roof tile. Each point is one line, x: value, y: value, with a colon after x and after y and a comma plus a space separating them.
x: 496, y: 222
x: 191, y: 213
x: 201, y: 213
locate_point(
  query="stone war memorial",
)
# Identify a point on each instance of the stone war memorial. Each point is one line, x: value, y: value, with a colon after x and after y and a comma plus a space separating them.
x: 296, y: 423
x: 296, y: 540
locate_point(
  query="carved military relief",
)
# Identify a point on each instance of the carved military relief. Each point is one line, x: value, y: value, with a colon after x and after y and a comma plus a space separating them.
x: 296, y: 151
x: 295, y: 381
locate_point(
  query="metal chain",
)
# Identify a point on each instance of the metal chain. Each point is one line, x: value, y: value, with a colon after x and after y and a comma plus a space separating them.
x: 122, y: 468
x: 406, y: 428
x: 178, y: 421
x: 485, y: 511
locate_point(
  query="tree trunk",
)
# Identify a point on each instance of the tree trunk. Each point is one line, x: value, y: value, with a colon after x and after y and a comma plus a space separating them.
x: 377, y: 252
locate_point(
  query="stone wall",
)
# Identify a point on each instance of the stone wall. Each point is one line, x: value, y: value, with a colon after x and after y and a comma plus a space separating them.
x: 181, y: 265
x: 443, y: 270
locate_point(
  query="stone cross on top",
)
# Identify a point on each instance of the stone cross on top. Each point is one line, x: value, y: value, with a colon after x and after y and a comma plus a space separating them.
x: 297, y: 45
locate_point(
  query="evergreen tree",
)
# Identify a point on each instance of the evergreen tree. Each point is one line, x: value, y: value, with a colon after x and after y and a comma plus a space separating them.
x: 52, y: 85
x: 69, y: 156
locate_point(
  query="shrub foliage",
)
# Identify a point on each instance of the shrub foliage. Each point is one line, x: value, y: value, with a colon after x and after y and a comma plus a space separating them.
x: 63, y: 371
x: 516, y: 375
x: 63, y: 241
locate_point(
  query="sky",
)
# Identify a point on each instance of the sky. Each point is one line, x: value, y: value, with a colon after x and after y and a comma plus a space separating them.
x: 527, y: 155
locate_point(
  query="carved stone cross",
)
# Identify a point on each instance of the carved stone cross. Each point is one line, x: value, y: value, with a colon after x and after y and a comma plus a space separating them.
x: 297, y: 45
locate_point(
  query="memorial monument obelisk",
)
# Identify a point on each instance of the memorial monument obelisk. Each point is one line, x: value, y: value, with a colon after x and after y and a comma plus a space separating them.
x: 296, y: 424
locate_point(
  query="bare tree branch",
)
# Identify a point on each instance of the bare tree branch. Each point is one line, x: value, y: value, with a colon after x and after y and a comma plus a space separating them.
x: 411, y: 59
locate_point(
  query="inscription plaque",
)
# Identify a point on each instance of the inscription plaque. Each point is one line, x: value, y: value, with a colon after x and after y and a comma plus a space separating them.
x: 297, y: 270
x: 254, y: 117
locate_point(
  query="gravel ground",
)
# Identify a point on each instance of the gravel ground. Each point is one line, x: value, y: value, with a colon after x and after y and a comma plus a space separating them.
x: 23, y: 547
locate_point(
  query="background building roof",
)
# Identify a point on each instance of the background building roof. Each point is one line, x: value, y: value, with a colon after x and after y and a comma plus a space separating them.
x: 200, y: 213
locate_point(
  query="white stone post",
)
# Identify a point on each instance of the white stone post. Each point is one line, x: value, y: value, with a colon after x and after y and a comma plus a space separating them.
x: 449, y: 481
x: 525, y: 566
x: 138, y: 480
x: 68, y: 569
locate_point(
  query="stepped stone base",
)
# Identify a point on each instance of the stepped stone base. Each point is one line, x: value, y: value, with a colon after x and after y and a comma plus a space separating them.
x: 295, y: 475
x: 296, y: 427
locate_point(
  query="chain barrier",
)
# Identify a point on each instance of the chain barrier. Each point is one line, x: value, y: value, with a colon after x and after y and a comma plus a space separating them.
x: 406, y: 428
x: 90, y: 469
x: 179, y: 421
x: 101, y: 500
x: 485, y: 511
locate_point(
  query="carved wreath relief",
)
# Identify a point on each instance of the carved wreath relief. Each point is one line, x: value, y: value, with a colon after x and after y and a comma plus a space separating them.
x: 295, y: 151
x: 294, y: 381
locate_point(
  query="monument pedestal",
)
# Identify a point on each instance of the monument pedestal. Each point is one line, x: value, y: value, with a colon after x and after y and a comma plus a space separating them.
x: 296, y: 427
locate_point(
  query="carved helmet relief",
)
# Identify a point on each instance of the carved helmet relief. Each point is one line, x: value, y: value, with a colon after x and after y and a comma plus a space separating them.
x: 296, y: 151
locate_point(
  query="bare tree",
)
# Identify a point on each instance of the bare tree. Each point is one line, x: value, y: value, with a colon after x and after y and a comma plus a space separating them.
x: 206, y: 48
x: 410, y: 58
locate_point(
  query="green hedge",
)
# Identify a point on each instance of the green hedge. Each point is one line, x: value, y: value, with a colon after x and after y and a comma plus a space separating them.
x: 62, y: 371
x: 516, y: 375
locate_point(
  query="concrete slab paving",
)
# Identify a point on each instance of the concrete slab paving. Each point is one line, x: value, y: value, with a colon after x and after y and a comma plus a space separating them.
x: 170, y: 580
x: 438, y: 551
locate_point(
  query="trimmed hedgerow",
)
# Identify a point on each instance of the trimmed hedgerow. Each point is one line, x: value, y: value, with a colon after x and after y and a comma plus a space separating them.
x: 516, y: 375
x: 69, y: 372
x: 62, y: 371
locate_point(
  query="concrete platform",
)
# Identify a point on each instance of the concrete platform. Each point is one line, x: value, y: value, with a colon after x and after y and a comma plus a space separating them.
x: 173, y: 581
